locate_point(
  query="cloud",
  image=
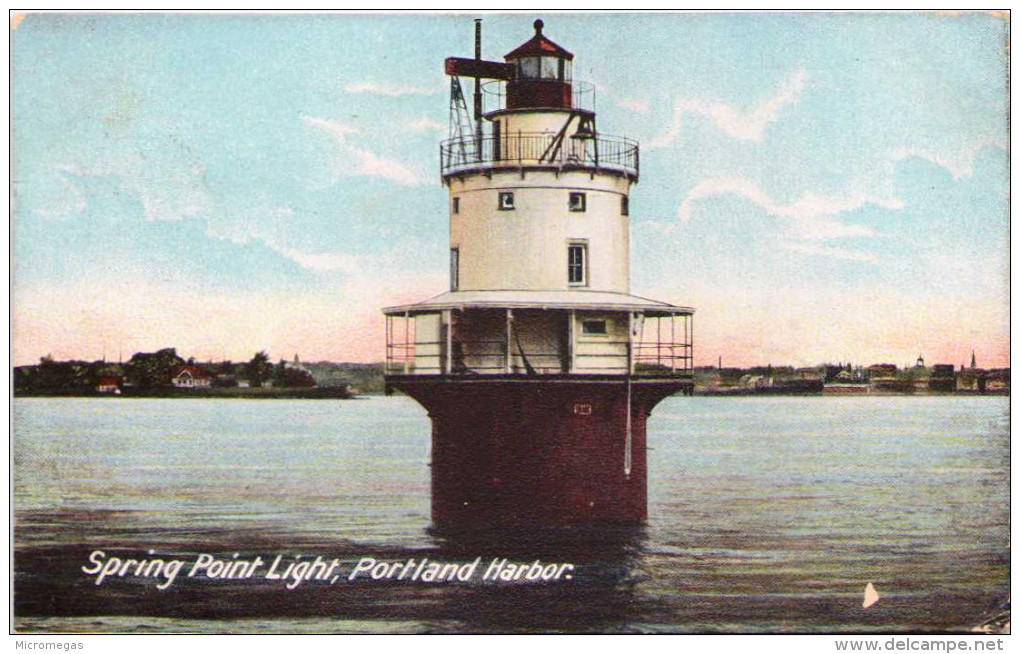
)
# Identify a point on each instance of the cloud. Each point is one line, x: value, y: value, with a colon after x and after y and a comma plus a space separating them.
x: 630, y: 104
x: 745, y: 126
x: 315, y: 261
x: 808, y: 207
x: 424, y: 124
x: 340, y: 130
x: 637, y: 106
x: 324, y: 261
x: 366, y: 162
x: 389, y: 90
x: 807, y: 219
x: 960, y: 163
x: 67, y: 198
x: 830, y: 252
x: 813, y: 228
x: 661, y: 226
x: 169, y: 186
x: 372, y: 165
x: 268, y: 225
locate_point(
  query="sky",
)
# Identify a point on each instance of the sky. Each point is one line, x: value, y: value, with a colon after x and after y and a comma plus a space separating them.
x: 820, y: 187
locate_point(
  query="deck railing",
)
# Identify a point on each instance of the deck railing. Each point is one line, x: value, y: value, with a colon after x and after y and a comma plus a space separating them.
x: 520, y: 149
x: 653, y: 352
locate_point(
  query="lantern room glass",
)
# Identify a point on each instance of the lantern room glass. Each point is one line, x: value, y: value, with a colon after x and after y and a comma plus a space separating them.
x: 550, y: 67
x: 546, y: 68
x: 529, y: 67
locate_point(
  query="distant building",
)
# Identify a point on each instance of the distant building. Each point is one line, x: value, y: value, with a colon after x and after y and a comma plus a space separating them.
x: 977, y: 380
x: 108, y: 385
x: 942, y: 379
x: 997, y: 381
x: 971, y: 380
x: 754, y: 382
x: 809, y: 373
x: 882, y: 377
x: 881, y: 371
x: 191, y: 377
x: 916, y: 380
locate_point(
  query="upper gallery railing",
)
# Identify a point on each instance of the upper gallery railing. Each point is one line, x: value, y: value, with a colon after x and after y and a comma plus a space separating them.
x: 611, y: 153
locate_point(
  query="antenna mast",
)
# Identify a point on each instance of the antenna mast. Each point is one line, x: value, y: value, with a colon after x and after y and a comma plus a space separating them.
x: 478, y: 91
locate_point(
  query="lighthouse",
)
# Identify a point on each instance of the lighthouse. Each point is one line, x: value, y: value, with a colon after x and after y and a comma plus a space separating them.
x: 538, y: 367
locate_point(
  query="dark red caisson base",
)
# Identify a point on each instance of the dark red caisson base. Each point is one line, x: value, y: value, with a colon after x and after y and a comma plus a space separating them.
x: 515, y: 451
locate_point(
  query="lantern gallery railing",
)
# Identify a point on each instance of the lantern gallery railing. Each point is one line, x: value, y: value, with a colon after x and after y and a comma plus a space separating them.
x: 439, y: 344
x: 522, y: 149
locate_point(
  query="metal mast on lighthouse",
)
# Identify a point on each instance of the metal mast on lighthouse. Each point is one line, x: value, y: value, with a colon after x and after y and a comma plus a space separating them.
x: 537, y: 366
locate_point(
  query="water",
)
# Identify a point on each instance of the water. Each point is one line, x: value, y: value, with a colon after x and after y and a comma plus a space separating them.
x: 765, y: 515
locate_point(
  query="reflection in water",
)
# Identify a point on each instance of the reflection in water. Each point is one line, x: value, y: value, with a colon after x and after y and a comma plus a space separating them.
x: 764, y: 515
x: 600, y: 597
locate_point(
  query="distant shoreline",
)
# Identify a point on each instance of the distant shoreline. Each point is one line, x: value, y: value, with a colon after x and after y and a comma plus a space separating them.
x: 342, y: 394
x: 742, y: 393
x: 313, y: 393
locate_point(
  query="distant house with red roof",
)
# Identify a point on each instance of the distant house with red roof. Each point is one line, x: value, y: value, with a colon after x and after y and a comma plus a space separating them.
x: 108, y: 384
x: 191, y: 377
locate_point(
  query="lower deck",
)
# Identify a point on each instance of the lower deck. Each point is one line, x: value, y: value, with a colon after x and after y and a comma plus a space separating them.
x: 511, y: 343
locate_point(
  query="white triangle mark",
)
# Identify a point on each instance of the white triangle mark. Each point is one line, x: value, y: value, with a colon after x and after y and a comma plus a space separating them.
x: 870, y: 595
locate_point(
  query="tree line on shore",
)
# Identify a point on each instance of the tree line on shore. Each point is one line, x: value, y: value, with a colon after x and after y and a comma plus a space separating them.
x: 154, y: 371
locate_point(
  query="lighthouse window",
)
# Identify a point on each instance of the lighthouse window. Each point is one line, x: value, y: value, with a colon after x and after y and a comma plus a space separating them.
x: 577, y: 202
x: 529, y: 67
x: 456, y: 205
x: 506, y: 201
x: 576, y: 256
x: 550, y: 67
x: 454, y: 268
x: 624, y: 205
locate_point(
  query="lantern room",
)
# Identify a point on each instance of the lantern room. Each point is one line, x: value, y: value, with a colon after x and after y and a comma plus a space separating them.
x: 542, y: 74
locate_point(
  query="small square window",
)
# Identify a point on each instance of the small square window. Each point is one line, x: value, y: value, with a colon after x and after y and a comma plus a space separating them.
x: 597, y: 327
x: 456, y: 205
x: 624, y: 205
x: 577, y: 202
x: 506, y: 201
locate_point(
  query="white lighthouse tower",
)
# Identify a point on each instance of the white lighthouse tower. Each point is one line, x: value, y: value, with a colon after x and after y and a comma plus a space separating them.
x: 537, y: 366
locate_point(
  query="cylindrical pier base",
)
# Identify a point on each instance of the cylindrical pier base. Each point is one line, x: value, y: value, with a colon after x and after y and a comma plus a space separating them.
x: 544, y: 452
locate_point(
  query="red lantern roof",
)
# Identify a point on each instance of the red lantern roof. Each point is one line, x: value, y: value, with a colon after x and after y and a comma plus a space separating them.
x: 539, y: 45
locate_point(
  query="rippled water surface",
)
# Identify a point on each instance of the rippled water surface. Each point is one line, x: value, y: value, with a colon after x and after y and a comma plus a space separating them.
x: 765, y: 514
